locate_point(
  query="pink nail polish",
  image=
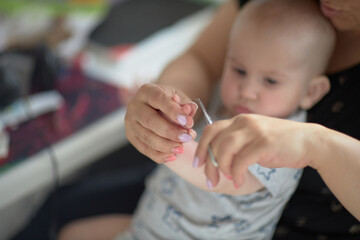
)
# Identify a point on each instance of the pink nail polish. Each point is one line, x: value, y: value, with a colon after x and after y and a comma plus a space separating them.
x: 184, y: 137
x: 209, y: 184
x: 228, y: 177
x: 178, y: 150
x: 181, y: 119
x: 170, y: 159
x: 192, y: 133
x: 196, y: 162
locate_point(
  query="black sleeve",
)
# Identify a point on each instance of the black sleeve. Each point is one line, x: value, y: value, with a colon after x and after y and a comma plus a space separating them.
x: 242, y: 2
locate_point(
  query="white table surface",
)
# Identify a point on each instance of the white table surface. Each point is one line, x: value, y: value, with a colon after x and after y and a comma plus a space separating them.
x: 24, y: 186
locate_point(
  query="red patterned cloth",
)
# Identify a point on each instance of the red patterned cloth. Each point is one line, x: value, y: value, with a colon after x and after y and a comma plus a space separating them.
x: 86, y: 101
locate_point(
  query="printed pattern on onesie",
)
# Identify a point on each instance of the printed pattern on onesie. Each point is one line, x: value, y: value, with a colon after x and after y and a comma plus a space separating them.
x: 172, y: 208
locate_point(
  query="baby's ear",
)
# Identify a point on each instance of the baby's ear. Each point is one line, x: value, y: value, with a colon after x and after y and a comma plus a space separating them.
x: 315, y: 91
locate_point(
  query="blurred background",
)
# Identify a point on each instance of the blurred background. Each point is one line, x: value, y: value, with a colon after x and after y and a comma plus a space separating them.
x: 67, y: 70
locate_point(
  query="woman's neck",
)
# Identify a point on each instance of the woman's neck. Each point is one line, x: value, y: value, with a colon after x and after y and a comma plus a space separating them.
x: 346, y: 53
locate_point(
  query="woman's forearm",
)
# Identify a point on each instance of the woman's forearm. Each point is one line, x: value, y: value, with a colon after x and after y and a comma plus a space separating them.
x: 336, y: 157
x: 200, y: 67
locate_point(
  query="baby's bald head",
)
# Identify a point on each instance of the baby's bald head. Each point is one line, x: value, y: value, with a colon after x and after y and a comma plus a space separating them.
x: 297, y: 21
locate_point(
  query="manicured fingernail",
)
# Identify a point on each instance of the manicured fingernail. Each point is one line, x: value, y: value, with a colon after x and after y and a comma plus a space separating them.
x: 181, y: 119
x: 228, y: 177
x: 235, y: 185
x: 178, y: 150
x: 196, y: 162
x: 192, y: 133
x: 170, y: 159
x: 209, y: 184
x: 184, y: 137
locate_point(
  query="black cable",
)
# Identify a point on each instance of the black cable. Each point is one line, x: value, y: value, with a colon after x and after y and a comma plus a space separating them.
x: 56, y: 178
x: 55, y: 199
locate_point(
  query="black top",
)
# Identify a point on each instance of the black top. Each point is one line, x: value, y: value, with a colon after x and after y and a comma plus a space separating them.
x: 314, y: 212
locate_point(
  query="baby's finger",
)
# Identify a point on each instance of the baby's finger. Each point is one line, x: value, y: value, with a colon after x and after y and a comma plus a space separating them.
x: 189, y: 109
x: 194, y: 108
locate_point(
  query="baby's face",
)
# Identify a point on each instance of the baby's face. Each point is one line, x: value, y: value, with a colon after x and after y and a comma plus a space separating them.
x: 266, y: 76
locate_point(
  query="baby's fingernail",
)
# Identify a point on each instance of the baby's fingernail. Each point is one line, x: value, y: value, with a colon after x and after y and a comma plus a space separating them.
x: 186, y: 109
x: 228, y: 177
x: 181, y: 119
x: 235, y: 185
x: 209, y: 184
x: 178, y: 150
x: 196, y: 162
x: 184, y: 137
x: 170, y: 159
x: 176, y: 98
x: 189, y: 122
x: 194, y: 106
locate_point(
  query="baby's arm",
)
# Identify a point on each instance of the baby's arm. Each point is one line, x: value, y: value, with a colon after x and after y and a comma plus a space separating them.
x: 182, y: 166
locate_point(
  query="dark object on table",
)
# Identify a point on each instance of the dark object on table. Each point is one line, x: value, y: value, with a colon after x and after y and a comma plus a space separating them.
x: 25, y: 71
x: 9, y: 87
x: 134, y: 20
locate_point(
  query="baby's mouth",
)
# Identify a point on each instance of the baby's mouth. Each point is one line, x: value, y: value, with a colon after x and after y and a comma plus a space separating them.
x: 242, y: 109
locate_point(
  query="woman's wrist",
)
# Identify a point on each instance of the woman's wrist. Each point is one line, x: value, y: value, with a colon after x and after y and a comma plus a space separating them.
x: 317, y: 144
x: 336, y: 157
x: 328, y: 149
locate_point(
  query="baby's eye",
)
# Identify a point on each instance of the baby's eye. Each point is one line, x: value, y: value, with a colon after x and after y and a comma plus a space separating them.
x: 240, y: 71
x: 271, y: 81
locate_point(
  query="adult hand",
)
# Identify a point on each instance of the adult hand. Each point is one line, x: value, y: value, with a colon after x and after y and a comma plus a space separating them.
x: 158, y: 121
x: 249, y: 138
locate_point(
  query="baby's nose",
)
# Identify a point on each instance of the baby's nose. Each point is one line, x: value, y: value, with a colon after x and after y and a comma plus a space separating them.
x: 247, y: 90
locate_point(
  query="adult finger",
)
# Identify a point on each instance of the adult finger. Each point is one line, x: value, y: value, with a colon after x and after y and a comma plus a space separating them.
x: 211, y: 171
x: 226, y: 145
x: 159, y: 157
x: 229, y: 142
x: 161, y: 99
x: 209, y: 133
x: 151, y: 118
x: 160, y: 125
x: 156, y: 142
x: 249, y: 155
